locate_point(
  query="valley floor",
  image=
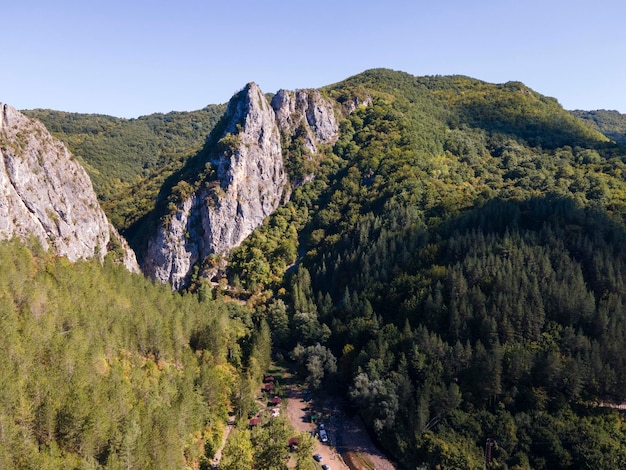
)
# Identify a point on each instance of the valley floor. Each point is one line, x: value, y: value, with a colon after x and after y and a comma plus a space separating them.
x: 349, y: 446
x: 297, y: 410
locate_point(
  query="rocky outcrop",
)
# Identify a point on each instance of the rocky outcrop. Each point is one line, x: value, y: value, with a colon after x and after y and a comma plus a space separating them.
x: 350, y: 105
x: 250, y: 172
x: 47, y: 194
x: 306, y: 109
x: 250, y: 181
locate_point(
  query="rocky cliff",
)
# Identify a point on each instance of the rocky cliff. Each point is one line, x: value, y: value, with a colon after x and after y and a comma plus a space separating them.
x: 306, y: 109
x: 45, y: 193
x: 249, y: 180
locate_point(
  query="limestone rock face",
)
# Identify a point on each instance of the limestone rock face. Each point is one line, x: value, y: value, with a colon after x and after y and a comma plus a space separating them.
x: 45, y: 193
x: 308, y: 110
x: 249, y: 187
x: 251, y: 174
x: 250, y: 180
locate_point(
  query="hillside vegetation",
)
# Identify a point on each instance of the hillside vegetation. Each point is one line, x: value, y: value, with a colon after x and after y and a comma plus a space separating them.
x: 103, y: 369
x: 456, y: 269
x: 465, y: 269
x: 610, y: 123
x: 129, y: 159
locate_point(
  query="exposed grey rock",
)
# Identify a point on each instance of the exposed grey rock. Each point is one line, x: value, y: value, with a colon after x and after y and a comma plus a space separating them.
x: 251, y: 180
x: 252, y: 177
x: 250, y: 185
x: 177, y: 246
x: 308, y: 109
x: 351, y: 105
x: 45, y: 193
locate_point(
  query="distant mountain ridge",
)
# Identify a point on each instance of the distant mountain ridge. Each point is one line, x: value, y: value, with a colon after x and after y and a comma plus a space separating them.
x: 117, y: 151
x: 610, y: 123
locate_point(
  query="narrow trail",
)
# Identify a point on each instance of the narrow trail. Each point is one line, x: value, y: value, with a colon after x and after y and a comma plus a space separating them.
x: 218, y: 455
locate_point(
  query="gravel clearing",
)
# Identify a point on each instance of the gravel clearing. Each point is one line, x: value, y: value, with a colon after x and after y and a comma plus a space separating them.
x: 346, y: 435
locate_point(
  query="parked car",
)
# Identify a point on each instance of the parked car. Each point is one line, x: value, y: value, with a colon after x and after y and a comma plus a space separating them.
x: 323, y: 436
x: 325, y: 467
x: 317, y: 457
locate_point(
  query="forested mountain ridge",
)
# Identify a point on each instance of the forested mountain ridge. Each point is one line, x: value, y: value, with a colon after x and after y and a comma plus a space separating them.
x: 458, y: 272
x: 610, y: 123
x: 464, y: 267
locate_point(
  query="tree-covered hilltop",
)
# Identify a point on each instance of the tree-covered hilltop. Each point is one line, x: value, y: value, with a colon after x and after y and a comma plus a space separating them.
x: 104, y: 369
x: 463, y: 268
x: 129, y: 159
x: 610, y: 123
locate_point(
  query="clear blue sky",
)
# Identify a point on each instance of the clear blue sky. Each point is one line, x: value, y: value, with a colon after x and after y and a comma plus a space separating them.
x: 133, y: 57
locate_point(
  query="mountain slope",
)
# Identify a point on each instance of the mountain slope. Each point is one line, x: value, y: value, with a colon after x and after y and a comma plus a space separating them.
x: 456, y: 260
x: 46, y: 194
x: 117, y: 151
x: 464, y: 266
x: 129, y: 159
x: 610, y: 123
x: 239, y: 181
x: 101, y: 368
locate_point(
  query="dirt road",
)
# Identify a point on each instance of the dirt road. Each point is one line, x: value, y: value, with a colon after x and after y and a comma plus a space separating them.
x: 218, y: 455
x: 297, y: 410
x: 346, y: 435
x: 356, y: 440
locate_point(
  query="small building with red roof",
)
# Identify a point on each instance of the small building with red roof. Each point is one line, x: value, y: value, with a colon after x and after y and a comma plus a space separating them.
x: 254, y: 421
